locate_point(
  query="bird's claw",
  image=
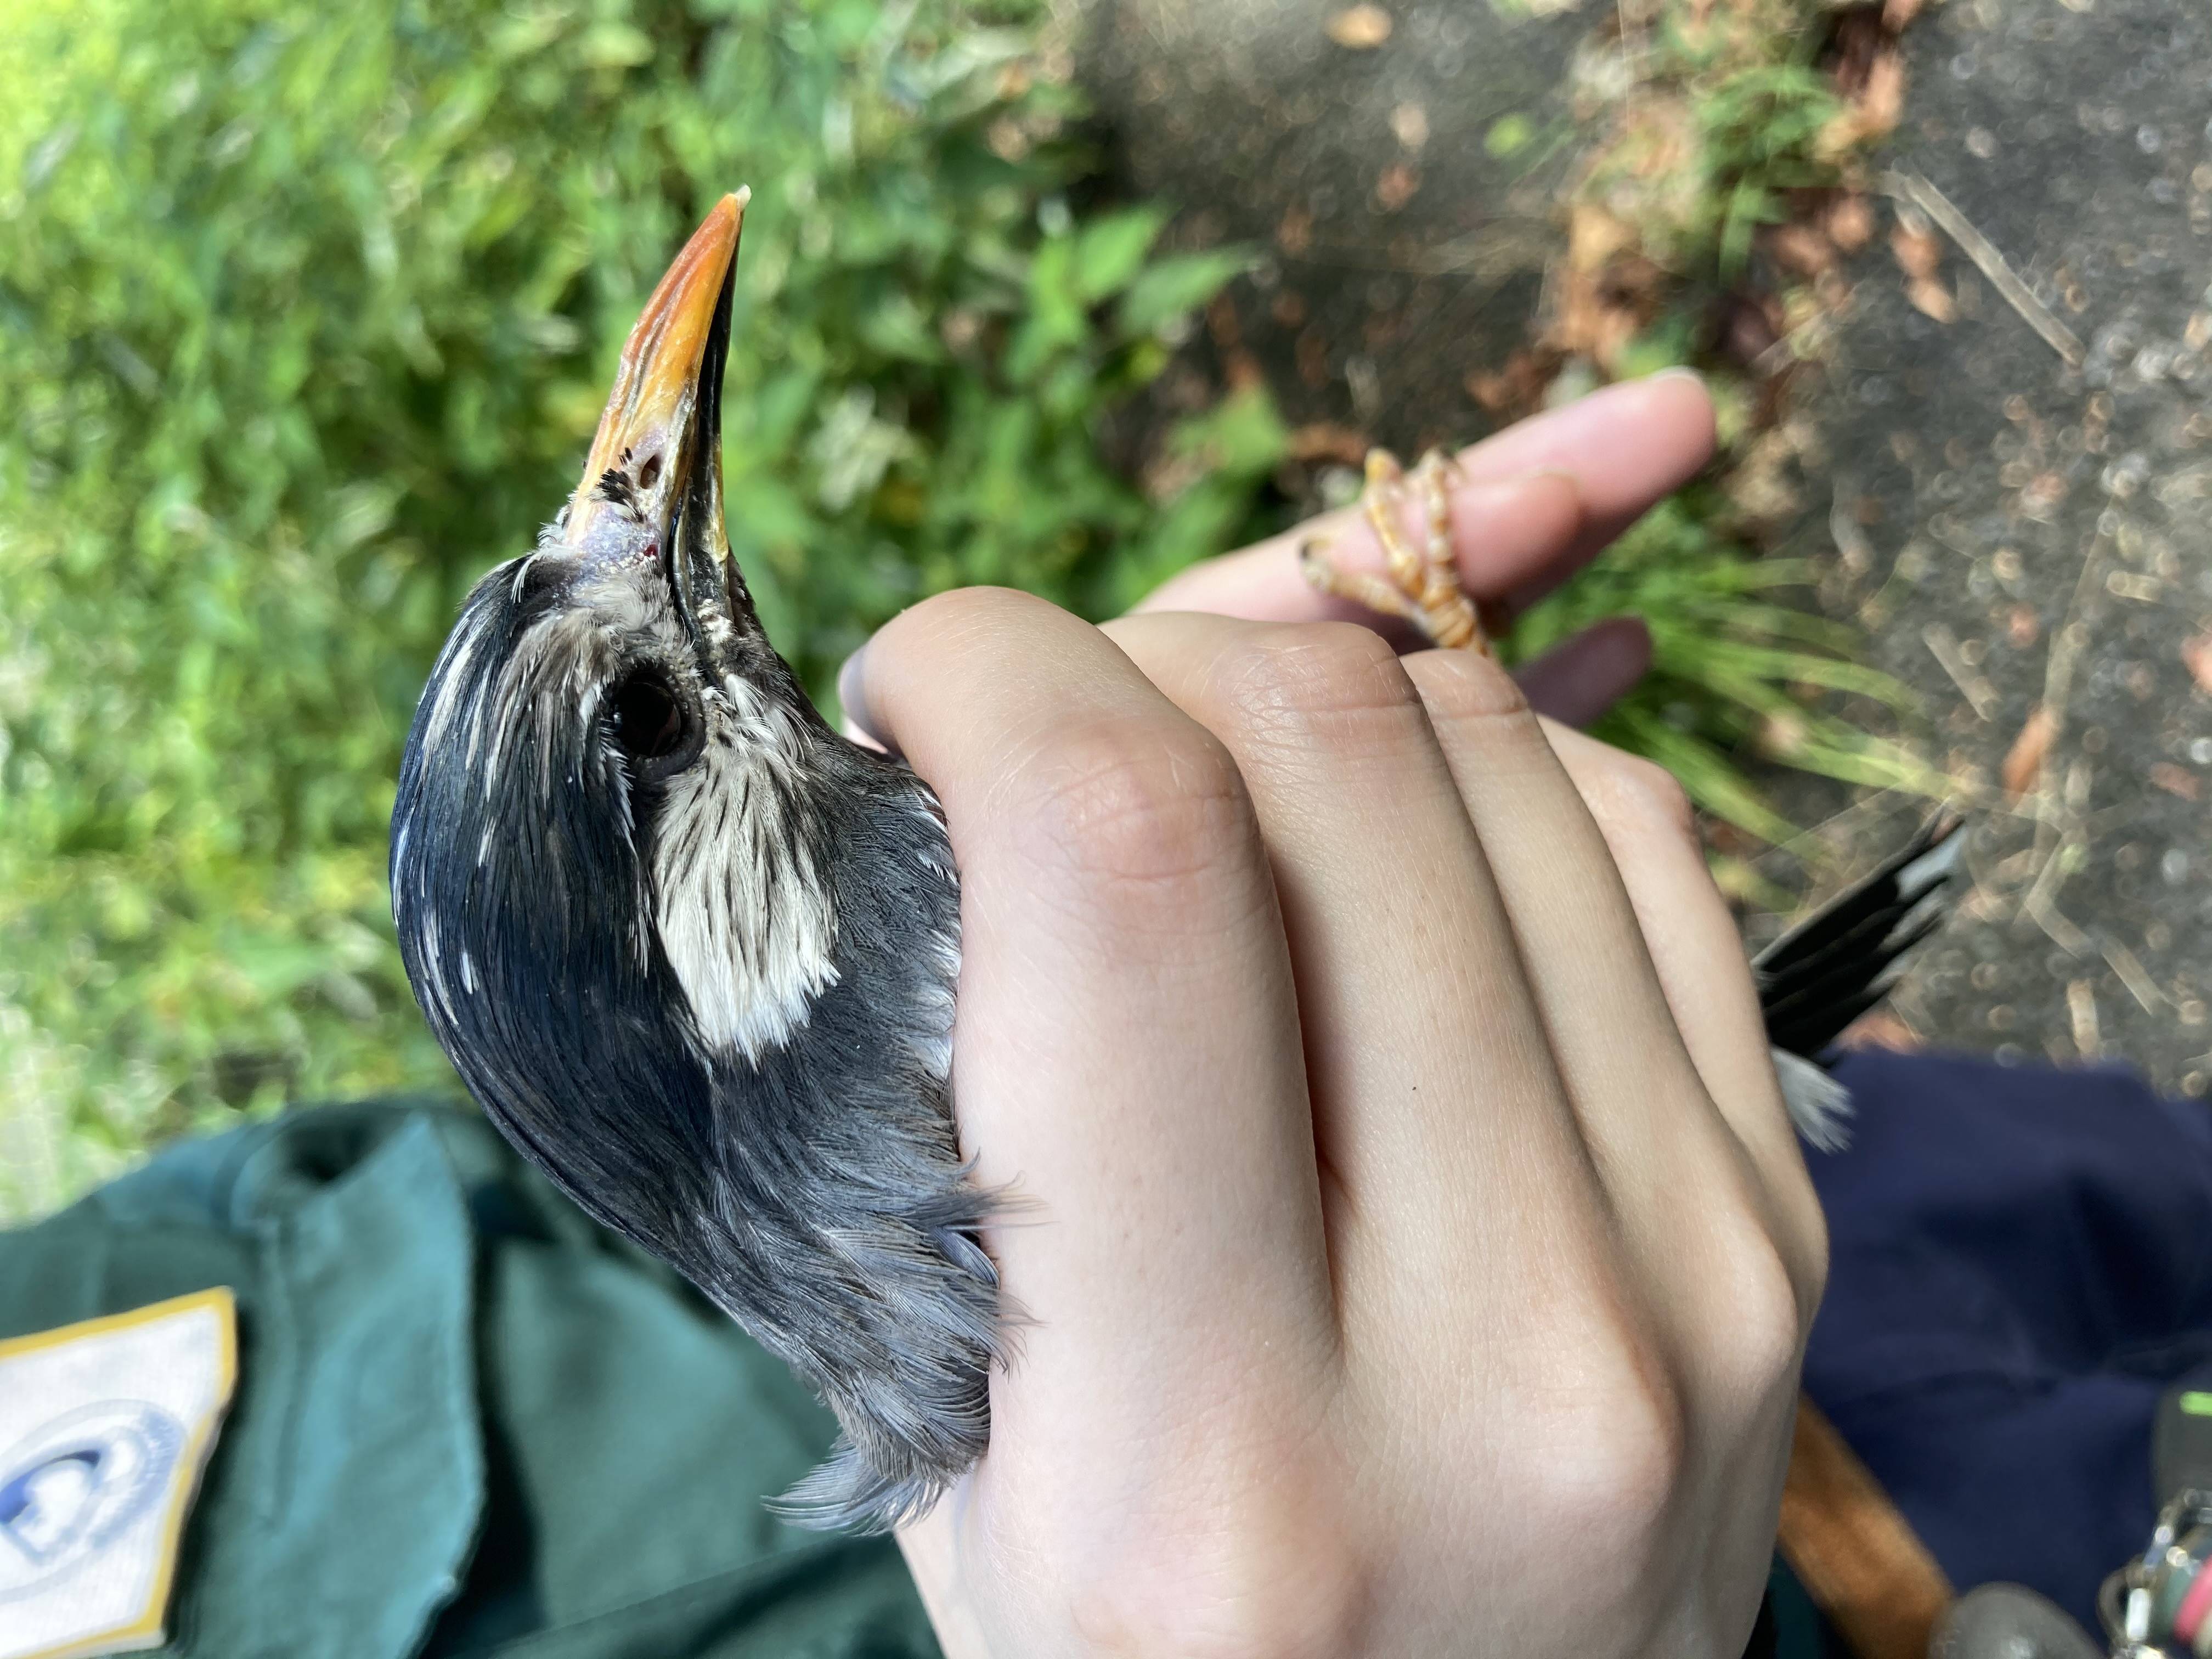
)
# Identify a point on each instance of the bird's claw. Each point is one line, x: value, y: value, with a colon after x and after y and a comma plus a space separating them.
x: 1423, y: 583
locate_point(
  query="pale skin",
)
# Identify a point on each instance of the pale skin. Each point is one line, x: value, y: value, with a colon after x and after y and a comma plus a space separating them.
x: 1416, y: 1255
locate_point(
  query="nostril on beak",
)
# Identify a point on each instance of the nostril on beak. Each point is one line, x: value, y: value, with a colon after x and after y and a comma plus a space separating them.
x: 649, y: 474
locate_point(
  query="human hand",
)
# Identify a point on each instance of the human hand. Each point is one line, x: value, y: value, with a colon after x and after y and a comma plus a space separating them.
x: 1538, y: 502
x: 1416, y: 1262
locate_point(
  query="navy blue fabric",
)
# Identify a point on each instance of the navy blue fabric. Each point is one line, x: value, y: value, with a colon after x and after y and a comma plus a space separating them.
x: 2021, y: 1259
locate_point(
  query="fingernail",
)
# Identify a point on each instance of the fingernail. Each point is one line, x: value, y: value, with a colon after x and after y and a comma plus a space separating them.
x: 1677, y: 373
x: 1507, y: 482
x: 1565, y: 474
x: 853, y: 698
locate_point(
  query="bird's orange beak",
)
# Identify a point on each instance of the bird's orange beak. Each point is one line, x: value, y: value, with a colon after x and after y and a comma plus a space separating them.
x: 649, y: 432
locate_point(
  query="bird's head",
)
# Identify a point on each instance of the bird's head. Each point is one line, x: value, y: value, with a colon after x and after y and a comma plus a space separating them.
x: 692, y: 950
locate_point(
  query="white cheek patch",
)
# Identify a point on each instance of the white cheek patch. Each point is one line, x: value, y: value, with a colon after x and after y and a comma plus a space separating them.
x: 740, y: 907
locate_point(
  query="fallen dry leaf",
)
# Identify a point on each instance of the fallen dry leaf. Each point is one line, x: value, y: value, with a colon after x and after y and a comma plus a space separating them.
x: 1932, y: 299
x: 2022, y: 627
x: 1409, y: 125
x: 1802, y: 249
x: 2081, y: 1007
x: 1396, y: 186
x: 2175, y: 781
x: 1882, y: 1029
x: 1919, y: 251
x: 1311, y: 354
x: 1781, y: 736
x: 1850, y: 223
x: 1519, y: 387
x: 1594, y: 320
x: 2197, y: 657
x: 1294, y: 234
x: 1873, y: 114
x: 1594, y: 236
x: 2023, y: 762
x: 1493, y: 392
x: 1361, y: 28
x: 1750, y: 326
x: 1882, y: 106
x: 1328, y: 440
x: 2041, y: 494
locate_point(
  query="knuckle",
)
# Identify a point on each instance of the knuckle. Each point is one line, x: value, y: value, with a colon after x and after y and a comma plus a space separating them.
x: 1794, y: 1235
x: 1313, y: 680
x: 1209, y: 1607
x: 1467, y: 688
x: 1759, y: 1326
x: 1128, y: 804
x: 1643, y: 797
x: 1810, y: 1258
x: 1239, y: 1580
x: 1617, y: 1433
x: 965, y: 610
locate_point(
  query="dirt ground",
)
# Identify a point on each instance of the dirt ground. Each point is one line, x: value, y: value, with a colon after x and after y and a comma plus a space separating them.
x: 2017, y: 505
x: 2012, y: 496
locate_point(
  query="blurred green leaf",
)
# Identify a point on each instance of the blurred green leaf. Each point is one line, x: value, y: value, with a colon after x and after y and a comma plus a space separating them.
x: 306, y: 314
x: 1725, y: 666
x: 1109, y: 250
x: 1172, y: 287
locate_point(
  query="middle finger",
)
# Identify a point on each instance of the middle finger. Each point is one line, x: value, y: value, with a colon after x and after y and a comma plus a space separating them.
x: 1431, y: 1077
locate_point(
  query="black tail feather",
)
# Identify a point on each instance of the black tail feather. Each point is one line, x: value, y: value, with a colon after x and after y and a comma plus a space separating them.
x: 1830, y: 968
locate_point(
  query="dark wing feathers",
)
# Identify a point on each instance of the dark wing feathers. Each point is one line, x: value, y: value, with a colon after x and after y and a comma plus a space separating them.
x: 1830, y: 968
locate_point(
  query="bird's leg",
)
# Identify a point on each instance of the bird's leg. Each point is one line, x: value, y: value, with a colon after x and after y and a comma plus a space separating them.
x: 1423, y: 584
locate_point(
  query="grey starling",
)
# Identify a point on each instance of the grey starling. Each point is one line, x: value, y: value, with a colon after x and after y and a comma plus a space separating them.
x: 692, y: 950
x: 694, y: 953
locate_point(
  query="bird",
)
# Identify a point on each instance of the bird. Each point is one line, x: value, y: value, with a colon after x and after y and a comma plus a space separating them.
x: 694, y: 953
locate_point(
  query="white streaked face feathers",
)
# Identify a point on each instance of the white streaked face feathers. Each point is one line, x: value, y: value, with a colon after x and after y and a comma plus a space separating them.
x: 736, y: 902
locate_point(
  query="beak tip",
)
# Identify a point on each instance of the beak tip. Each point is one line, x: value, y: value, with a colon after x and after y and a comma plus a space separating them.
x: 685, y: 321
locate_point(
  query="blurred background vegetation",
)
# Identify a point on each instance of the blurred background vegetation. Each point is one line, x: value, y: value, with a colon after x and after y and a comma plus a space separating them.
x: 305, y: 314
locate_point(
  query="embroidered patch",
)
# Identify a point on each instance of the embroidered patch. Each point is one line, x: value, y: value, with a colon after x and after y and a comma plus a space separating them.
x: 104, y: 1427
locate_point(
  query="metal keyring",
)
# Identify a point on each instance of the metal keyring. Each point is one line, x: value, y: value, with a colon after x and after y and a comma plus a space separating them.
x: 2164, y: 1596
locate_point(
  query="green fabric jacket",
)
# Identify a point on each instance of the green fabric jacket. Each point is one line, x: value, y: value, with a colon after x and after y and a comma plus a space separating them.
x: 468, y: 1422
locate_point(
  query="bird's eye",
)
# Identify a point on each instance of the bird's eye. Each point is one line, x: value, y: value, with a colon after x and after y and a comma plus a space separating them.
x: 649, y: 719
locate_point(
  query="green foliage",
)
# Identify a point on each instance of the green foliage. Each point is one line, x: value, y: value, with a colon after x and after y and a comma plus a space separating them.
x: 1729, y: 666
x: 1729, y: 115
x: 1759, y: 126
x: 305, y: 312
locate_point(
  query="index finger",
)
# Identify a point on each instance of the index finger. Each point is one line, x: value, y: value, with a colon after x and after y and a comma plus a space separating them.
x: 1536, y: 502
x: 1127, y: 1055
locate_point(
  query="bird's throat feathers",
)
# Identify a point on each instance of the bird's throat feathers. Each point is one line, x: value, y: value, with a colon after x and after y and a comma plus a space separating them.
x: 741, y: 903
x: 551, y: 840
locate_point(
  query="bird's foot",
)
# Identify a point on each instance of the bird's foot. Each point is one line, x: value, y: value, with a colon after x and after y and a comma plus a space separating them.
x: 1422, y: 583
